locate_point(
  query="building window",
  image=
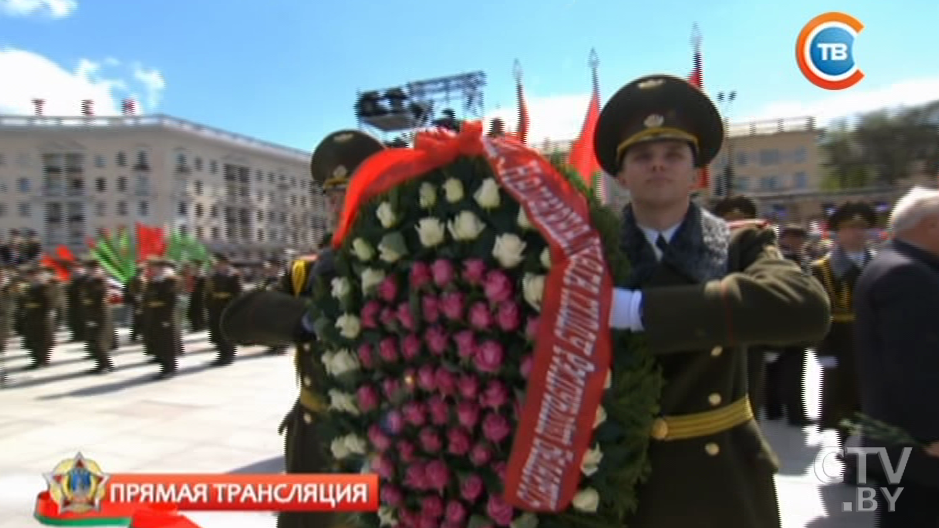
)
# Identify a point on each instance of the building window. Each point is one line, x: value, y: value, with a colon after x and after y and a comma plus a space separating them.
x: 99, y: 161
x: 142, y: 159
x: 198, y: 164
x: 213, y: 211
x: 23, y: 185
x: 741, y: 183
x: 198, y: 186
x: 742, y: 159
x: 769, y: 157
x: 143, y: 208
x: 800, y: 180
x: 25, y: 210
x: 259, y: 175
x: 199, y: 232
x: 799, y: 155
x: 215, y: 233
x: 121, y: 159
x: 182, y: 209
x: 122, y: 208
x: 199, y: 210
x: 213, y: 167
x: 270, y: 177
x: 122, y: 184
x: 181, y: 162
x: 3, y: 210
x: 260, y: 235
x: 101, y: 185
x: 260, y: 215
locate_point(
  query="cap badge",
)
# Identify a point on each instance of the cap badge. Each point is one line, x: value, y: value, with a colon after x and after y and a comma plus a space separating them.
x: 858, y: 218
x: 342, y: 138
x: 651, y: 83
x: 654, y: 121
x: 340, y: 172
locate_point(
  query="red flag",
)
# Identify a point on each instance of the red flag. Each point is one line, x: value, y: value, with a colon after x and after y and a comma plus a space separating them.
x: 65, y: 254
x: 581, y: 156
x: 61, y: 271
x: 696, y: 78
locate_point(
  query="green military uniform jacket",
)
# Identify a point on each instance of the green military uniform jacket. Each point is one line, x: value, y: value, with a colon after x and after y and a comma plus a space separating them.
x: 99, y: 322
x: 714, y: 293
x: 8, y: 297
x: 38, y: 304
x: 160, y: 324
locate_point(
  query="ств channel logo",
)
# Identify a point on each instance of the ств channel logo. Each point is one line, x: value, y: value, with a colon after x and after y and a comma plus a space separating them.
x: 825, y: 51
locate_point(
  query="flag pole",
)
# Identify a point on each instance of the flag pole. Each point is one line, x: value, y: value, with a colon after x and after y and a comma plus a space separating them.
x: 593, y: 61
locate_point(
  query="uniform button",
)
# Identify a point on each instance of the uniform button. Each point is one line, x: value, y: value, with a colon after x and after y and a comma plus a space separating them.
x: 715, y: 399
x: 716, y: 351
x: 307, y: 418
x: 307, y: 381
x: 712, y: 448
x: 659, y: 429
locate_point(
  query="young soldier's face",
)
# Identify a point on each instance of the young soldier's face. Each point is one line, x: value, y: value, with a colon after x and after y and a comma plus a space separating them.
x: 659, y: 173
x: 334, y: 200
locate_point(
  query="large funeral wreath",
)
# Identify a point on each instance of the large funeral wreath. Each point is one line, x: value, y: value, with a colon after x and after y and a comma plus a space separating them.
x: 426, y: 336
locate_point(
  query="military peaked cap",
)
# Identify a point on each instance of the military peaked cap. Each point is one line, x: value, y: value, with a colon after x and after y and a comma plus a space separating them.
x: 655, y: 108
x: 338, y: 156
x: 853, y: 214
x: 736, y: 208
x: 793, y: 229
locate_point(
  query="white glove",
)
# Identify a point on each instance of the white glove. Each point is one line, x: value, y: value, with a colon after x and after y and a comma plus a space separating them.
x: 828, y: 361
x: 625, y: 312
x: 771, y: 357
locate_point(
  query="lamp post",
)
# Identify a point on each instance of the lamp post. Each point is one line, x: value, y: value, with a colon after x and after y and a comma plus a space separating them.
x: 725, y: 100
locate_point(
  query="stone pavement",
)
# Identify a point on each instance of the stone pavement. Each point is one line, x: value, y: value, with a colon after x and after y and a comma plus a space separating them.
x: 225, y: 419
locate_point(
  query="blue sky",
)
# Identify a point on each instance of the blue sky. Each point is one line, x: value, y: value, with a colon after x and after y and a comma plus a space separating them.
x: 287, y: 71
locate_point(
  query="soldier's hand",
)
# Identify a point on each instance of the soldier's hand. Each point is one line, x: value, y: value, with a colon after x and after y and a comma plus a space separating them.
x: 933, y: 449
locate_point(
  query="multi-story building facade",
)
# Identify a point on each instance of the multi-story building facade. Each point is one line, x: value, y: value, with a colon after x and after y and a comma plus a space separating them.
x: 70, y: 178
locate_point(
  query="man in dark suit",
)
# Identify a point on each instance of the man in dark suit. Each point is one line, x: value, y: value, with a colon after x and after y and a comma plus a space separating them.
x: 897, y: 347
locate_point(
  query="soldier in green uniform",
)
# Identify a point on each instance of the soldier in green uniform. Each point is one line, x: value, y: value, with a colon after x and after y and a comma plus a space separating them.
x: 700, y: 293
x: 195, y: 312
x: 8, y: 294
x: 274, y: 317
x: 133, y: 300
x: 160, y: 324
x: 99, y: 321
x: 74, y: 311
x: 38, y: 303
x: 221, y: 288
x: 838, y: 271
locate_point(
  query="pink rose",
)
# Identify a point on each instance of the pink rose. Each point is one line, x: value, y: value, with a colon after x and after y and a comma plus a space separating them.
x: 426, y: 378
x: 468, y: 386
x: 405, y: 451
x: 480, y: 454
x: 496, y: 427
x: 500, y: 512
x: 406, y: 317
x: 451, y: 304
x: 370, y: 313
x: 479, y: 316
x: 388, y: 289
x: 446, y: 381
x: 465, y: 343
x: 474, y: 270
x: 439, y: 410
x: 531, y: 328
x: 436, y: 339
x: 430, y: 308
x: 489, y: 356
x: 414, y: 413
x: 378, y: 438
x: 432, y: 506
x: 430, y: 441
x: 458, y: 442
x: 508, y: 316
x: 384, y: 467
x: 524, y: 367
x: 496, y: 395
x: 366, y: 357
x: 389, y: 319
x: 394, y: 422
x: 388, y: 350
x: 498, y: 287
x: 471, y: 488
x: 390, y: 387
x: 391, y: 495
x: 455, y: 512
x: 415, y: 477
x: 408, y: 519
x: 499, y: 469
x: 367, y: 397
x: 443, y: 272
x: 467, y: 414
x: 438, y: 474
x: 411, y: 347
x: 420, y: 275
x: 425, y: 521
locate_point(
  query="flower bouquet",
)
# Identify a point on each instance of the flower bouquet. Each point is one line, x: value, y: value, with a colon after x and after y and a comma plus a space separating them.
x: 466, y: 355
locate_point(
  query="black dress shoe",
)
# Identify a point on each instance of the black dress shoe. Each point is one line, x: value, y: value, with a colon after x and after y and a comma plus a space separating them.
x: 165, y: 374
x: 223, y: 361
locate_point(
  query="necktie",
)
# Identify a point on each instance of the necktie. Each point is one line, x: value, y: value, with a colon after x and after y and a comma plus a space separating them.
x: 661, y: 243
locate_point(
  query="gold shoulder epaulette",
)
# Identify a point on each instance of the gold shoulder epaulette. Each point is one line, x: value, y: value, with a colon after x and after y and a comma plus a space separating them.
x: 751, y: 222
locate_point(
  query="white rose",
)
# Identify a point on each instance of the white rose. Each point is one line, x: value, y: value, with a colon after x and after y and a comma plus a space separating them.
x: 587, y: 500
x: 533, y: 289
x: 430, y: 231
x: 342, y: 362
x: 338, y: 447
x: 386, y: 215
x: 355, y: 444
x: 386, y: 516
x: 522, y: 219
x: 546, y: 258
x: 453, y: 190
x: 327, y: 359
x: 591, y: 462
x: 371, y: 278
x: 428, y: 195
x: 362, y: 249
x: 341, y: 287
x: 487, y: 196
x: 525, y: 520
x: 349, y: 326
x: 466, y: 226
x: 392, y: 247
x: 608, y: 382
x: 343, y: 402
x: 509, y: 250
x: 601, y: 417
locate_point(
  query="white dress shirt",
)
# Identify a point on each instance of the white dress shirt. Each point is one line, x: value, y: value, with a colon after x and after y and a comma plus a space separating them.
x: 652, y: 235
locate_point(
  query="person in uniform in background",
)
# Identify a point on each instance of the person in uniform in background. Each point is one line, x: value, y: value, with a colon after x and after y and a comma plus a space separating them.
x: 736, y: 208
x: 221, y: 287
x: 99, y: 322
x: 897, y: 346
x: 195, y: 312
x: 160, y: 325
x: 700, y: 292
x: 274, y: 317
x: 38, y: 304
x: 133, y: 300
x: 75, y: 314
x: 785, y: 374
x: 8, y: 294
x: 271, y: 274
x: 838, y: 272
